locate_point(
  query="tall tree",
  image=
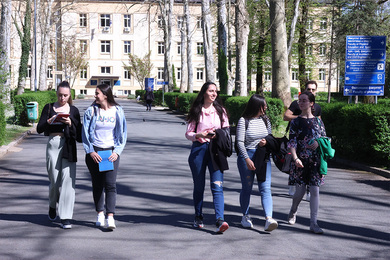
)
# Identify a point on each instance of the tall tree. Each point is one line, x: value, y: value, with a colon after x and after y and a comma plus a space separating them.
x: 25, y: 39
x: 5, y: 47
x: 76, y: 58
x: 208, y: 41
x: 183, y: 56
x: 280, y: 75
x: 166, y: 7
x: 222, y: 47
x: 187, y: 18
x: 140, y: 68
x: 242, y: 32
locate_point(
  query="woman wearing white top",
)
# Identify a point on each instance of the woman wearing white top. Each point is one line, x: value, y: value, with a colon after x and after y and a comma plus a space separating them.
x: 252, y: 128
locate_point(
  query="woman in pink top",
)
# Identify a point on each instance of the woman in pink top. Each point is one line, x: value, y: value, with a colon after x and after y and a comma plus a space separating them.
x: 206, y: 115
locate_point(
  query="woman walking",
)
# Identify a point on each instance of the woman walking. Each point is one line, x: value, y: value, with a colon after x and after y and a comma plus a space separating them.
x: 252, y: 129
x: 304, y: 131
x: 206, y: 116
x: 61, y: 122
x: 104, y: 129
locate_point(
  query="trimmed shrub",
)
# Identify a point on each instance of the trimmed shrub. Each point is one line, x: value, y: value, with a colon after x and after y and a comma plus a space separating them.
x: 2, y: 123
x: 170, y: 99
x: 185, y: 101
x: 20, y: 101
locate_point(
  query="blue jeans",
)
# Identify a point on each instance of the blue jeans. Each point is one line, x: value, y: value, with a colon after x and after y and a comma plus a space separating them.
x: 247, y: 178
x: 198, y: 160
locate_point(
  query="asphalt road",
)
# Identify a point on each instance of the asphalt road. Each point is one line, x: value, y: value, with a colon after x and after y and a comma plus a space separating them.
x: 155, y: 213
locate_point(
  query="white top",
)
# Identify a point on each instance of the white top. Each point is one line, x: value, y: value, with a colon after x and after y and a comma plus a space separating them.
x: 249, y: 139
x: 104, y: 131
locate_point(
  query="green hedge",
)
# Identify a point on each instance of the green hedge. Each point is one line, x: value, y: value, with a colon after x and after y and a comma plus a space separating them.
x: 359, y: 132
x: 20, y: 101
x: 2, y: 123
x: 236, y: 105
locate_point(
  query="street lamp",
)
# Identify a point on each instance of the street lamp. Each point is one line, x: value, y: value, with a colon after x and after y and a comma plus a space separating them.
x: 35, y: 45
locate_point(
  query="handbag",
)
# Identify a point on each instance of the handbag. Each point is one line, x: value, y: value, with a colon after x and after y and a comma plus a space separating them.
x: 283, y: 157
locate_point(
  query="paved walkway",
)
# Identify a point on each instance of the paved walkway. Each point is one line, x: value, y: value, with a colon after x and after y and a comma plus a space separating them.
x: 155, y: 212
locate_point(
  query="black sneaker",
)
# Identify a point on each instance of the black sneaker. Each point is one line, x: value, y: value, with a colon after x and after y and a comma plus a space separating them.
x: 222, y: 226
x: 65, y: 224
x: 198, y: 222
x: 52, y: 214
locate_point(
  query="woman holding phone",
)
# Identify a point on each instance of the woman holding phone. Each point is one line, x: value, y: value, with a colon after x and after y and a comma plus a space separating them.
x: 104, y: 129
x: 61, y: 122
x: 206, y: 115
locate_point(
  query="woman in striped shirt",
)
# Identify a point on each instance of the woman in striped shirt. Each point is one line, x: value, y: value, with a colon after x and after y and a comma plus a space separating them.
x: 252, y: 128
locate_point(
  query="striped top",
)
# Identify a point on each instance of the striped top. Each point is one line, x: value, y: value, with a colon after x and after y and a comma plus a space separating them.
x: 249, y: 139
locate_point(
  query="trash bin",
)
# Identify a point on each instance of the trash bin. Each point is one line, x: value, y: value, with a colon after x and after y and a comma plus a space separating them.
x: 32, y: 110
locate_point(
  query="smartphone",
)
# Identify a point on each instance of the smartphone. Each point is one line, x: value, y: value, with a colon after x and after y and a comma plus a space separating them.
x: 211, y: 134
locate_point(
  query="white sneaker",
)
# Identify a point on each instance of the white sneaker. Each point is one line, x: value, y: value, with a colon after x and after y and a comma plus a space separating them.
x: 110, y: 223
x: 270, y: 224
x: 100, y: 220
x: 291, y: 190
x: 246, y: 221
x: 308, y: 196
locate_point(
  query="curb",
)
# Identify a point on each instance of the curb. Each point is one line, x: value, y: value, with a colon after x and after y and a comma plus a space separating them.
x: 359, y: 166
x: 5, y: 148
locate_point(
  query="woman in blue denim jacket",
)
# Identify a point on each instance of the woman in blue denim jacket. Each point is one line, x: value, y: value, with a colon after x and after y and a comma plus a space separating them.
x: 104, y: 128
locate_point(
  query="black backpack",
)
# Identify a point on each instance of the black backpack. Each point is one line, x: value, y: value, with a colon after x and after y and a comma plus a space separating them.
x: 283, y: 157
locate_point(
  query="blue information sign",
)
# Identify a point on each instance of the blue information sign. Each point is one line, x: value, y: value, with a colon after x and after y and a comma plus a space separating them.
x: 162, y: 82
x: 365, y: 65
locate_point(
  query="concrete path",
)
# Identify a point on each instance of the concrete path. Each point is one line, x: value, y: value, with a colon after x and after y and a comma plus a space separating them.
x: 155, y: 212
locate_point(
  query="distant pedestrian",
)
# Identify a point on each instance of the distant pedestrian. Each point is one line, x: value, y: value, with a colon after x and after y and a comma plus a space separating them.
x: 104, y: 129
x: 304, y: 131
x: 294, y: 111
x: 61, y: 122
x: 205, y: 117
x: 252, y: 129
x: 149, y: 98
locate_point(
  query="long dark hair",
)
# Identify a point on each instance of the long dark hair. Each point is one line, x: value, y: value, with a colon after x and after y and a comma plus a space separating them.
x: 311, y: 97
x: 65, y: 84
x: 255, y: 104
x: 196, y: 107
x: 107, y: 91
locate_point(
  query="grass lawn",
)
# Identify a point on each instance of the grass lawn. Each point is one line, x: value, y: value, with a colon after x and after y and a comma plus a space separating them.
x: 12, y: 132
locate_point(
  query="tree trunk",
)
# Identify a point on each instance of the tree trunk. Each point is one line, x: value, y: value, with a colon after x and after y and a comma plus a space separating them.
x: 208, y: 41
x: 280, y: 75
x: 25, y: 39
x: 5, y: 47
x: 222, y: 47
x: 167, y: 16
x: 259, y: 67
x: 190, y: 87
x: 184, y: 75
x: 242, y: 32
x: 302, y: 41
x: 45, y: 37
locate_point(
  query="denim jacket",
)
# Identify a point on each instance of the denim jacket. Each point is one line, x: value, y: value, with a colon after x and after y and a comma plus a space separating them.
x: 89, y: 124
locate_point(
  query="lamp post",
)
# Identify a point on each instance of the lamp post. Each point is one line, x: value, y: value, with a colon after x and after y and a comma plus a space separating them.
x: 35, y: 45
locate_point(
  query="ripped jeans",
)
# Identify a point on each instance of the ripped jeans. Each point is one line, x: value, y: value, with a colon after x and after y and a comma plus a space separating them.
x: 199, y: 159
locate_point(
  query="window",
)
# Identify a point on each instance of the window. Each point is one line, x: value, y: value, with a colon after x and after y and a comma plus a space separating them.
x: 83, y: 46
x: 180, y: 22
x: 127, y: 47
x: 308, y: 74
x: 199, y: 48
x: 199, y: 74
x: 309, y: 24
x: 29, y: 71
x: 321, y: 74
x: 105, y: 47
x: 309, y: 49
x: 294, y: 75
x: 126, y: 21
x: 178, y: 73
x: 105, y: 20
x: 49, y: 72
x: 126, y: 74
x: 160, y: 73
x: 322, y: 49
x: 83, y: 91
x: 323, y: 23
x: 83, y: 73
x: 83, y: 20
x: 179, y: 48
x: 267, y: 75
x: 199, y: 22
x: 160, y: 48
x: 105, y: 70
x: 160, y: 21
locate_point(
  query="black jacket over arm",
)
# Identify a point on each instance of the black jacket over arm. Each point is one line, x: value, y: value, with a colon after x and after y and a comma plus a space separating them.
x: 221, y: 148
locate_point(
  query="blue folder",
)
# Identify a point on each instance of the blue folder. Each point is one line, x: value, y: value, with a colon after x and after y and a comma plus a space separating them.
x: 105, y: 164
